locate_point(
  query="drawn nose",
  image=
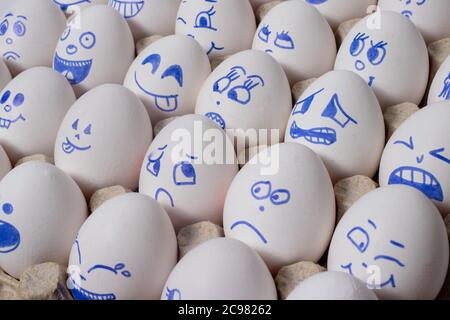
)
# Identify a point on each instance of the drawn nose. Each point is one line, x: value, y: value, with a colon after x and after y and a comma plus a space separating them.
x: 9, y: 237
x: 7, y: 108
x: 77, y: 136
x: 9, y: 41
x: 420, y: 159
x: 359, y: 65
x: 262, y: 209
x: 71, y: 49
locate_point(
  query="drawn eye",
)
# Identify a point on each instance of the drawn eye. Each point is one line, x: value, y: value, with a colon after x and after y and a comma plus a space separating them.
x: 358, y: 44
x: 18, y: 100
x: 264, y: 34
x: 224, y: 83
x: 7, y: 208
x: 377, y: 53
x: 184, y: 174
x: 284, y: 41
x: 66, y: 33
x: 154, y: 60
x: 279, y: 197
x: 176, y: 72
x: 88, y: 130
x: 75, y: 124
x: 204, y: 19
x: 19, y: 28
x: 335, y: 112
x: 438, y: 154
x: 240, y: 94
x: 5, y: 96
x: 4, y: 27
x: 87, y: 40
x: 359, y: 238
x: 303, y: 106
x: 261, y: 190
x: 154, y: 161
x: 409, y: 144
x: 420, y: 2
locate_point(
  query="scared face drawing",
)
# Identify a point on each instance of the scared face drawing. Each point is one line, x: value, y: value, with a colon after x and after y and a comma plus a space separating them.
x: 13, y: 29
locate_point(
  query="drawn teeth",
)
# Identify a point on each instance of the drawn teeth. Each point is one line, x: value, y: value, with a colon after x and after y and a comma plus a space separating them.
x: 4, y: 123
x: 127, y: 9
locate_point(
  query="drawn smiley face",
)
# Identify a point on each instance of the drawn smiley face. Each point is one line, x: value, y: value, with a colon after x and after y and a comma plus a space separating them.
x: 9, y: 235
x: 11, y: 109
x: 77, y: 143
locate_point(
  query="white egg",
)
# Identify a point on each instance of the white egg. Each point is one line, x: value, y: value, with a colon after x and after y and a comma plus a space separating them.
x: 125, y: 250
x: 220, y: 269
x: 440, y: 87
x: 42, y: 210
x: 299, y: 38
x: 248, y: 93
x: 430, y: 16
x: 394, y: 240
x: 5, y: 164
x: 32, y: 107
x: 29, y: 32
x: 394, y: 64
x: 338, y: 11
x: 103, y: 138
x: 286, y: 214
x: 166, y: 81
x: 339, y: 118
x: 418, y: 155
x: 221, y: 27
x: 4, y: 4
x: 188, y: 170
x: 257, y: 3
x: 75, y: 6
x: 97, y: 47
x: 332, y: 285
x: 5, y: 75
x: 148, y: 17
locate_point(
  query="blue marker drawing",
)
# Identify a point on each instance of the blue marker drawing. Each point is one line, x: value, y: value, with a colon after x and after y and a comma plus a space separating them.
x: 18, y: 28
x: 316, y: 1
x: 359, y: 238
x: 445, y: 93
x: 409, y: 13
x: 9, y: 235
x: 322, y: 135
x: 68, y: 146
x: 154, y: 161
x: 162, y: 193
x: 252, y: 227
x: 242, y: 93
x: 224, y: 83
x: 65, y: 4
x: 203, y: 19
x: 264, y: 34
x: 282, y: 39
x: 184, y: 174
x: 217, y: 118
x: 173, y: 294
x: 10, y: 106
x: 128, y: 9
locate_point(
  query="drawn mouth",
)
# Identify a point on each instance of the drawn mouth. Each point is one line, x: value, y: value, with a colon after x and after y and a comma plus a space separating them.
x: 9, y: 237
x: 6, y: 123
x: 165, y: 103
x: 269, y: 51
x: 407, y: 13
x: 420, y: 179
x: 217, y: 118
x: 11, y: 55
x: 82, y: 294
x: 371, y: 81
x: 214, y: 47
x: 127, y: 9
x: 250, y: 226
x: 349, y: 269
x: 75, y: 71
x: 325, y: 136
x: 159, y: 196
x: 68, y: 147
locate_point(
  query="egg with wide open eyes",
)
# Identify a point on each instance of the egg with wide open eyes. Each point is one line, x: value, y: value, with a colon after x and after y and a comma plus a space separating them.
x: 125, y: 250
x: 395, y: 241
x: 282, y: 205
x: 5, y: 164
x: 418, y: 155
x: 394, y: 64
x: 166, y: 81
x: 188, y: 170
x: 340, y: 119
x: 29, y: 32
x: 103, y: 139
x: 96, y: 47
x: 220, y: 269
x: 41, y: 210
x: 32, y: 107
x: 5, y: 75
x: 249, y: 95
x: 148, y: 17
x: 430, y: 16
x: 299, y: 38
x: 221, y: 27
x: 338, y: 11
x: 75, y: 6
x: 440, y: 87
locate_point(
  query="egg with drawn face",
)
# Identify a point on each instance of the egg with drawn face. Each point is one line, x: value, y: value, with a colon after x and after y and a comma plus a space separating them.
x: 190, y: 158
x: 125, y: 250
x: 5, y: 75
x: 285, y: 210
x: 32, y: 107
x: 248, y: 91
x: 73, y: 6
x: 430, y: 16
x: 338, y: 11
x: 41, y: 210
x: 220, y: 269
x: 418, y: 155
x: 98, y: 51
x: 29, y: 32
x: 339, y: 118
x: 166, y: 81
x: 440, y: 87
x: 103, y: 138
x: 5, y: 164
x: 394, y: 64
x: 222, y: 27
x: 148, y: 17
x: 394, y: 240
x: 285, y: 33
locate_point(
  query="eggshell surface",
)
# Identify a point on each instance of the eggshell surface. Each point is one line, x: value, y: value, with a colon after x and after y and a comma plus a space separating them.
x: 220, y: 269
x: 42, y: 209
x: 125, y: 250
x: 5, y: 164
x: 394, y: 240
x: 5, y: 75
x: 166, y: 81
x: 32, y: 107
x: 440, y: 87
x: 286, y: 214
x: 103, y: 138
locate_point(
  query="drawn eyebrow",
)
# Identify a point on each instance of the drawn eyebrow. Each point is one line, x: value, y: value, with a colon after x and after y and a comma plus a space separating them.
x: 372, y: 224
x: 9, y: 15
x: 397, y: 244
x: 22, y: 17
x: 163, y: 148
x: 191, y: 157
x: 389, y: 258
x: 409, y: 145
x: 182, y: 20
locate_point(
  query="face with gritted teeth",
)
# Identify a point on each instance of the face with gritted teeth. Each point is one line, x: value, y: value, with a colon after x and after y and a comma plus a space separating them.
x: 77, y: 142
x: 128, y: 8
x: 11, y: 109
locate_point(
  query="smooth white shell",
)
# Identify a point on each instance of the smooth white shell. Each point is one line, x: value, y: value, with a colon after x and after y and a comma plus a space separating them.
x: 5, y: 164
x: 5, y: 75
